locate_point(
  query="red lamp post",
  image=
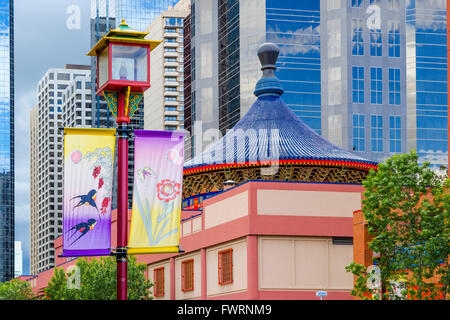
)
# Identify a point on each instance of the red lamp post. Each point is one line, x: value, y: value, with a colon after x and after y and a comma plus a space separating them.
x: 123, y: 74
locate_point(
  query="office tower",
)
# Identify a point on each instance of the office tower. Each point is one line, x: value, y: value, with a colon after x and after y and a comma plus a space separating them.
x: 6, y: 140
x: 426, y: 60
x: 364, y: 76
x: 187, y: 85
x: 77, y: 103
x: 368, y: 75
x: 18, y: 258
x: 163, y: 101
x: 46, y: 161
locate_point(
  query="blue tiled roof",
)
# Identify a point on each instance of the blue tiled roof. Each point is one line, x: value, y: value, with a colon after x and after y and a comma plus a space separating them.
x: 271, y: 131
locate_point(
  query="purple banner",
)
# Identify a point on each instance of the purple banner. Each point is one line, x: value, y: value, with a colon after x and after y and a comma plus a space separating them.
x: 88, y: 177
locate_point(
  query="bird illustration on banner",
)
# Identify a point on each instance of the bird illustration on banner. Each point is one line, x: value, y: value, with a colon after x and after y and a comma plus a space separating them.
x: 87, y: 199
x: 83, y: 228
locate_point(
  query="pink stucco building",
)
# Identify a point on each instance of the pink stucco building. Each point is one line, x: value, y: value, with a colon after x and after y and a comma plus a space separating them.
x: 268, y: 217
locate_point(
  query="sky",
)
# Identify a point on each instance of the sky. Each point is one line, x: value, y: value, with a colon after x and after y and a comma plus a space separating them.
x: 48, y: 34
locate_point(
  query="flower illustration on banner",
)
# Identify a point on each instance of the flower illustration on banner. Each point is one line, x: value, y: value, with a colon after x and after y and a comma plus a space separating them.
x: 174, y: 156
x: 96, y: 172
x: 104, y: 205
x: 76, y: 156
x: 100, y: 183
x: 168, y: 190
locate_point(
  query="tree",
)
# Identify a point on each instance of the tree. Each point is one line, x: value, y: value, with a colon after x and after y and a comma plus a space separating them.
x: 16, y: 290
x: 406, y: 206
x: 97, y: 281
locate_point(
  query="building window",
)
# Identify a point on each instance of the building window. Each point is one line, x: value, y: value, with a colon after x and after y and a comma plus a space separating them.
x: 357, y: 37
x: 394, y: 86
x: 376, y: 85
x: 187, y: 275
x: 170, y: 108
x: 170, y: 98
x: 158, y: 279
x: 356, y: 3
x: 168, y: 49
x: 170, y: 69
x: 170, y: 128
x: 393, y: 39
x: 377, y: 133
x: 358, y: 84
x: 63, y: 76
x: 395, y: 134
x: 226, y: 266
x: 358, y: 132
x: 375, y: 43
x: 170, y: 118
x: 393, y: 5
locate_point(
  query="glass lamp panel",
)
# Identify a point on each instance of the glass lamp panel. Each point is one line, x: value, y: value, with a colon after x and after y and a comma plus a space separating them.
x: 129, y: 63
x: 103, y: 67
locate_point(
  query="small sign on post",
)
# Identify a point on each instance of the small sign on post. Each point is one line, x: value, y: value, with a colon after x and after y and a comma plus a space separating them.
x: 321, y: 294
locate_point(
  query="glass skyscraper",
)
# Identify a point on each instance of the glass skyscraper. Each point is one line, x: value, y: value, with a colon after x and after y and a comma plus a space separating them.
x: 295, y: 27
x: 426, y: 32
x: 6, y: 140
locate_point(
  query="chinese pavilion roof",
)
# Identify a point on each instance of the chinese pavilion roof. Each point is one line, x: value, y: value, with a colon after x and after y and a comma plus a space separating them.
x: 271, y: 134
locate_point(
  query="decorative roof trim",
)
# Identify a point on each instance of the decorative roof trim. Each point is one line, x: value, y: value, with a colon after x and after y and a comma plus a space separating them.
x: 305, y: 162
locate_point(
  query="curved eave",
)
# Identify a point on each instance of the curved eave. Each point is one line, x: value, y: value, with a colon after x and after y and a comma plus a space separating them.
x: 304, y: 162
x: 105, y: 40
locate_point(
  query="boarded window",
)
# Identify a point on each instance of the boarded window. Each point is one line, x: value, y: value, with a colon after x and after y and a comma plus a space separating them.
x: 187, y: 275
x: 158, y: 278
x: 226, y: 266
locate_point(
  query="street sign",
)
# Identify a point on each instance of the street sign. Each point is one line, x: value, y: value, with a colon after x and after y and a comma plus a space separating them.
x: 321, y: 294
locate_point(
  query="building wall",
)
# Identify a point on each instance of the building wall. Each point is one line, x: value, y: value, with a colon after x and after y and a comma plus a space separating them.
x: 197, y: 291
x: 240, y: 273
x: 7, y: 140
x: 316, y: 204
x: 301, y: 263
x: 167, y: 278
x: 426, y: 31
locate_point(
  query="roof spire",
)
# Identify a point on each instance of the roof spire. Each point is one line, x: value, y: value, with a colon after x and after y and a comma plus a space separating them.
x: 269, y: 83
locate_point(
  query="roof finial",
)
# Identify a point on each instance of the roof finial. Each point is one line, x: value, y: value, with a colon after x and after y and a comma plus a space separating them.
x: 269, y: 83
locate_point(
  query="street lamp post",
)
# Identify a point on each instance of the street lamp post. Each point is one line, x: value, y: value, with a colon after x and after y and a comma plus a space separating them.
x: 123, y: 74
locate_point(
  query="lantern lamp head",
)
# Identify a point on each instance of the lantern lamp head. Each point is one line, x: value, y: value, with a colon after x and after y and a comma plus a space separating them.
x: 123, y: 60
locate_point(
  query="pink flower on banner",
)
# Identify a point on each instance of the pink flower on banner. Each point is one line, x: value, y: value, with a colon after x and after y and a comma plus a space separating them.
x: 104, y: 205
x: 96, y: 172
x: 100, y: 183
x: 168, y: 190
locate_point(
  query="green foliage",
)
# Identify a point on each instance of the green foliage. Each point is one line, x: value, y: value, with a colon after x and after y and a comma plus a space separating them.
x: 97, y: 281
x: 16, y: 290
x: 406, y: 207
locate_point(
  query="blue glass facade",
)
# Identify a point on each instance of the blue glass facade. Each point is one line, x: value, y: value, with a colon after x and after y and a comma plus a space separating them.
x: 140, y: 13
x: 6, y: 140
x: 427, y: 23
x: 295, y: 27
